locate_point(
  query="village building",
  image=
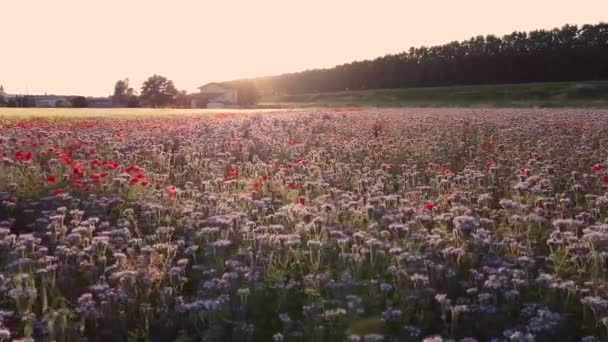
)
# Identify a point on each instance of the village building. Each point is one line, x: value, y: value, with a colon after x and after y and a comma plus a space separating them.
x: 49, y: 100
x: 99, y: 102
x: 214, y: 95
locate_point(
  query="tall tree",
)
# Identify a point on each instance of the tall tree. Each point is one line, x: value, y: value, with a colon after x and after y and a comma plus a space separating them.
x: 181, y: 100
x: 158, y: 91
x: 79, y: 102
x: 122, y: 93
x: 569, y: 53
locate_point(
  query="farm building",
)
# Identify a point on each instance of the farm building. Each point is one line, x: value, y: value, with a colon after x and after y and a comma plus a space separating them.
x: 214, y: 95
x: 49, y: 100
x: 99, y: 102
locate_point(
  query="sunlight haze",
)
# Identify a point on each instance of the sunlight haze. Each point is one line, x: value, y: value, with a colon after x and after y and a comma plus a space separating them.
x: 84, y: 47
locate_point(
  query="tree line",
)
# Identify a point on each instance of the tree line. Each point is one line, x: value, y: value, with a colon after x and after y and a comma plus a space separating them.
x: 159, y: 91
x: 569, y: 53
x: 30, y: 101
x: 156, y: 91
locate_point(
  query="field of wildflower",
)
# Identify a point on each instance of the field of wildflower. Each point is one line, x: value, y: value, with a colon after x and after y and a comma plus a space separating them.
x: 310, y: 225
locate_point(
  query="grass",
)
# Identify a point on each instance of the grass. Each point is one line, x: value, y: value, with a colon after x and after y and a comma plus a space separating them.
x: 558, y: 94
x: 76, y: 113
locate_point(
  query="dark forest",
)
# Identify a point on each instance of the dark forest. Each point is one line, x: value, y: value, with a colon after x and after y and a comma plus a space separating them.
x: 570, y: 53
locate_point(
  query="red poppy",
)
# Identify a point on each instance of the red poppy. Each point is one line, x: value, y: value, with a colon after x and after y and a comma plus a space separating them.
x: 133, y: 181
x: 232, y: 171
x: 57, y: 192
x: 264, y: 177
x: 447, y: 171
x: 92, y: 152
x: 606, y: 179
x: 522, y: 170
x: 292, y: 185
x: 172, y: 191
x: 301, y: 200
x: 144, y: 183
x: 103, y: 174
x: 429, y: 205
x: 51, y: 179
x: 139, y: 176
x: 23, y: 156
x: 111, y: 165
x: 133, y: 168
x: 256, y: 185
x: 490, y: 163
x: 596, y: 168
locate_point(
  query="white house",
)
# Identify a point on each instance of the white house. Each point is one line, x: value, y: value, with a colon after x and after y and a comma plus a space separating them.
x: 49, y: 100
x: 214, y: 95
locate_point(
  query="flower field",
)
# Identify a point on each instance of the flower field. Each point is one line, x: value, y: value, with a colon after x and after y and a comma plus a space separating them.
x: 307, y: 225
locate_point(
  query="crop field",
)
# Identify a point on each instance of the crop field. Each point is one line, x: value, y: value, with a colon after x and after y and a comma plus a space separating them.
x: 553, y: 94
x: 113, y: 113
x: 351, y: 224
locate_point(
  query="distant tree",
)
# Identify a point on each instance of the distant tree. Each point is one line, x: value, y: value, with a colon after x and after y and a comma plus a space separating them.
x: 19, y: 101
x: 181, y: 100
x: 122, y: 93
x: 247, y: 93
x: 22, y: 101
x: 133, y: 101
x: 158, y: 91
x: 79, y: 102
x: 569, y: 53
x: 2, y: 101
x: 63, y: 104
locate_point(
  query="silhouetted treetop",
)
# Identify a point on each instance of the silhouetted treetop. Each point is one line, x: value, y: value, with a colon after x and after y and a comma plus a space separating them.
x: 570, y: 53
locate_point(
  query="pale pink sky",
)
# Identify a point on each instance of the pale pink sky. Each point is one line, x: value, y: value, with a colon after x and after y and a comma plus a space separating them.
x: 84, y: 47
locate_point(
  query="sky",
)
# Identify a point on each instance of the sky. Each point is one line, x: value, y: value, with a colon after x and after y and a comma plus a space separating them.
x: 83, y: 47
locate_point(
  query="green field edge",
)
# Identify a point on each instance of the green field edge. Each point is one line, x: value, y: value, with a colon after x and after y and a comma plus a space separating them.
x: 588, y: 94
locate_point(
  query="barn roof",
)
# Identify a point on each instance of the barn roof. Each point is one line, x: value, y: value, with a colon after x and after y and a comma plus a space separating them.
x: 216, y: 84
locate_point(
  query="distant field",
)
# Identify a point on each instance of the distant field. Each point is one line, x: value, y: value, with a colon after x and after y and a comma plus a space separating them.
x: 27, y: 113
x: 566, y: 94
